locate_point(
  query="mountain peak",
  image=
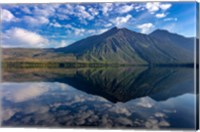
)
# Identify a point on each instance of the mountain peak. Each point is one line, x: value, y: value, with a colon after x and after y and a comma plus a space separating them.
x: 159, y: 31
x: 164, y: 32
x: 110, y: 32
x: 114, y: 28
x: 118, y: 29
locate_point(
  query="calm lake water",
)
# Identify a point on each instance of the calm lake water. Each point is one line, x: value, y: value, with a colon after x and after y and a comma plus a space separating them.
x: 129, y: 97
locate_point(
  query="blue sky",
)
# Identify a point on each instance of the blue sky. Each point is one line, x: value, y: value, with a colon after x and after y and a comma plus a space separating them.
x: 58, y: 25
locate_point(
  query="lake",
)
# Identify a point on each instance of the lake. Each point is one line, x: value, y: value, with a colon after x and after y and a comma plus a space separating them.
x: 117, y: 97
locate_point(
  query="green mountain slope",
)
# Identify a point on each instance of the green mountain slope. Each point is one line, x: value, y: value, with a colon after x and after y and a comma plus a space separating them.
x: 126, y: 46
x: 121, y: 46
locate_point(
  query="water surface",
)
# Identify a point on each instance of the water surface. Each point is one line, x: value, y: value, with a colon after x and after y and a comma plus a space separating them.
x: 129, y: 97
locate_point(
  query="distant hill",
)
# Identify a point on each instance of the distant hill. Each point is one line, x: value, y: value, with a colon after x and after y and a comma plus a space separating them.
x: 121, y: 46
x: 173, y: 38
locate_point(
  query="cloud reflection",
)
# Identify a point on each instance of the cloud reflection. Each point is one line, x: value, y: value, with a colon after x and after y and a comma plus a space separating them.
x: 58, y: 104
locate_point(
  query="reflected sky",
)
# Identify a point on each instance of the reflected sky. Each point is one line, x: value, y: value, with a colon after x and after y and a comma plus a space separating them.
x: 155, y: 98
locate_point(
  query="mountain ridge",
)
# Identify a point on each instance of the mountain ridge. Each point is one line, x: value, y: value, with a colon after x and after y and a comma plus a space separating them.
x: 174, y: 38
x: 117, y: 45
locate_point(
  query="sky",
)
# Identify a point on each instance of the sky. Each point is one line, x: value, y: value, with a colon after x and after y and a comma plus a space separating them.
x: 59, y: 25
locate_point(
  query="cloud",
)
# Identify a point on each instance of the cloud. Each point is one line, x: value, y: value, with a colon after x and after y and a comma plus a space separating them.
x: 100, y: 31
x: 159, y: 114
x: 24, y: 92
x: 36, y: 21
x: 40, y: 14
x: 82, y: 31
x: 152, y: 7
x: 146, y: 103
x: 67, y: 9
x: 118, y: 21
x: 18, y: 37
x: 125, y: 9
x: 79, y: 31
x: 68, y: 26
x: 7, y: 16
x: 63, y: 43
x: 93, y: 11
x: 146, y: 27
x: 160, y: 15
x: 45, y: 10
x: 154, y: 123
x: 165, y: 6
x: 56, y: 24
x: 87, y: 109
x: 91, y: 31
x: 171, y: 19
x: 120, y: 110
x: 79, y: 11
x: 26, y: 10
x: 139, y: 8
x: 108, y: 25
x: 62, y: 16
x: 81, y: 8
x: 106, y: 8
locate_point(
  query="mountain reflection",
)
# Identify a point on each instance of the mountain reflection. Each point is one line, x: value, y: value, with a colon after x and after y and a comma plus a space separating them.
x: 128, y: 97
x: 115, y: 84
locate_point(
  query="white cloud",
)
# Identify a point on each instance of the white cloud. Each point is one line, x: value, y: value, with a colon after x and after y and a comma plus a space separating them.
x: 7, y: 16
x: 145, y: 102
x: 67, y: 9
x: 24, y: 92
x: 44, y: 10
x: 59, y: 41
x: 63, y: 43
x: 56, y: 24
x: 139, y: 8
x: 161, y: 15
x: 108, y: 25
x: 82, y: 31
x: 146, y: 27
x: 36, y: 21
x: 26, y: 10
x: 125, y: 9
x: 62, y: 16
x: 18, y: 37
x: 68, y: 26
x: 81, y: 13
x: 91, y: 31
x: 79, y: 32
x: 118, y: 21
x: 93, y: 11
x: 165, y: 6
x: 152, y: 7
x: 106, y: 8
x: 100, y: 31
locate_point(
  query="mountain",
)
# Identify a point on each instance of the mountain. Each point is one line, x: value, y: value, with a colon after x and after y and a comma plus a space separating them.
x: 111, y: 47
x: 173, y: 38
x: 126, y: 46
x: 115, y: 46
